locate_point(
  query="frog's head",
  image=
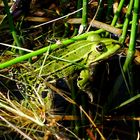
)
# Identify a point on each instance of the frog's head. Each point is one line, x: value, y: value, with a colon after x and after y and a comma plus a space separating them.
x: 103, y: 49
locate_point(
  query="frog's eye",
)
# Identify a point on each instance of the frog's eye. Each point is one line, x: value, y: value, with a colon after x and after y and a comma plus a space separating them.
x: 101, y: 47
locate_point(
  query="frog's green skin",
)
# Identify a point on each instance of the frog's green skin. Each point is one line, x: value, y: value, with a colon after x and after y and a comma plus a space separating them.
x: 77, y: 56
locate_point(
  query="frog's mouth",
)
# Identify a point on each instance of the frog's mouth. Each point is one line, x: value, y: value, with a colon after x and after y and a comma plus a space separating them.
x: 102, y: 60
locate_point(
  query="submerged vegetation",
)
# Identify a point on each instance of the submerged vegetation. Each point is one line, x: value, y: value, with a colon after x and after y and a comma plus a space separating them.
x: 69, y: 69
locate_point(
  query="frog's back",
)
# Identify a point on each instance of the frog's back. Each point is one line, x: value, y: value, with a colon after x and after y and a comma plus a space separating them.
x: 66, y: 60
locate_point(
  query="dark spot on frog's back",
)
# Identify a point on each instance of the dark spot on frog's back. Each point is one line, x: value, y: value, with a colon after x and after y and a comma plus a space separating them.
x: 48, y: 64
x: 68, y: 51
x: 63, y: 64
x: 31, y: 78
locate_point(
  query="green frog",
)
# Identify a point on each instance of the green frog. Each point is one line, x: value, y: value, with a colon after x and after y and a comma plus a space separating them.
x: 79, y: 56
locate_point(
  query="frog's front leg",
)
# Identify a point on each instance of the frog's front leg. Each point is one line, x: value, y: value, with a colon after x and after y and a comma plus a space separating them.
x: 83, y: 79
x: 83, y: 82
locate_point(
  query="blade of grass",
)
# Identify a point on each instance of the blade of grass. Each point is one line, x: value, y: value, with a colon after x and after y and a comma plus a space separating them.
x: 12, y: 27
x: 116, y: 16
x: 84, y: 23
x: 132, y: 99
x: 126, y: 22
x: 84, y: 13
x: 131, y: 50
x: 132, y: 44
x: 109, y: 8
x: 35, y: 120
x: 93, y: 19
x: 78, y: 15
x: 15, y: 128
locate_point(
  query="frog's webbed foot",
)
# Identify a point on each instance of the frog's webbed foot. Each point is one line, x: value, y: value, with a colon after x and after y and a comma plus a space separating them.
x: 83, y: 83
